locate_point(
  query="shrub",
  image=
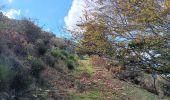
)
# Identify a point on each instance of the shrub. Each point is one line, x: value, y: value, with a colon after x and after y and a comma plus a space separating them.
x: 80, y: 86
x: 69, y: 59
x: 42, y: 82
x: 61, y: 66
x: 72, y: 61
x: 42, y: 47
x: 32, y: 31
x: 5, y: 73
x: 70, y: 64
x: 129, y: 76
x: 19, y: 50
x: 57, y: 53
x: 73, y: 58
x: 37, y: 65
x: 12, y: 76
x: 6, y: 76
x: 21, y: 81
x: 42, y: 50
x: 64, y: 53
x: 16, y: 65
x: 166, y: 88
x: 50, y: 60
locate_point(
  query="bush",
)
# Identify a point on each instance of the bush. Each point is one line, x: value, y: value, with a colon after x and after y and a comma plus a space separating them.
x: 19, y: 50
x: 32, y: 31
x: 21, y: 82
x: 11, y: 77
x: 6, y: 76
x: 71, y: 64
x: 166, y: 88
x: 50, y: 60
x: 43, y: 83
x: 129, y: 76
x: 57, y: 53
x: 73, y: 58
x: 42, y: 47
x: 70, y: 59
x: 65, y: 53
x: 5, y: 73
x: 80, y: 86
x: 37, y: 65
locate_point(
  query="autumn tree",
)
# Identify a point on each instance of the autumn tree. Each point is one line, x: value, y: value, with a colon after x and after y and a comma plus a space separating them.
x: 138, y: 29
x: 94, y: 41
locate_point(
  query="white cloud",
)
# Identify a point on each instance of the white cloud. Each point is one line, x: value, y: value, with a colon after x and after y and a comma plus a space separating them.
x: 75, y: 13
x: 10, y: 1
x: 12, y: 13
x: 48, y: 29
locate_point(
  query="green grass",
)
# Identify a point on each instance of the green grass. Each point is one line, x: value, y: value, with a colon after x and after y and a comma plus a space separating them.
x: 134, y: 92
x: 91, y: 95
x: 140, y: 94
x: 86, y: 67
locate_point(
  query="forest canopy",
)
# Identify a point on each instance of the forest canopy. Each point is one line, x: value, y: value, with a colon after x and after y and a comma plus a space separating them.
x: 133, y: 32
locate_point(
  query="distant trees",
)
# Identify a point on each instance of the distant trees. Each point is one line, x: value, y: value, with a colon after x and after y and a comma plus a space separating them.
x: 136, y: 29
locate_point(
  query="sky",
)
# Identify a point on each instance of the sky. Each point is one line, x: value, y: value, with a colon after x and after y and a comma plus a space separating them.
x: 52, y: 15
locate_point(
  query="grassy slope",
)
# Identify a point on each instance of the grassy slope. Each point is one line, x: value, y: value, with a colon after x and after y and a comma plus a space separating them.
x: 119, y: 90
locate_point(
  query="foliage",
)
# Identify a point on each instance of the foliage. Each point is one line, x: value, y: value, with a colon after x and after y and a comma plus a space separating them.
x: 21, y: 82
x: 94, y: 41
x: 13, y: 79
x: 6, y: 76
x: 70, y: 59
x: 32, y: 31
x: 57, y: 53
x: 85, y: 66
x: 24, y: 48
x: 71, y: 64
x: 37, y: 65
x: 166, y: 89
x: 42, y: 47
x: 50, y: 60
x: 92, y: 95
x: 6, y: 73
x: 42, y: 50
x: 133, y: 32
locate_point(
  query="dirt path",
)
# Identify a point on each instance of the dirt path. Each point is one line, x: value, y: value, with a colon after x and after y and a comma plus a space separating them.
x: 101, y: 81
x: 100, y: 85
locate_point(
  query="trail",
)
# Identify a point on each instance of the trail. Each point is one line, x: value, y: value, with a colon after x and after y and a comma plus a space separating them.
x: 104, y: 86
x: 101, y: 81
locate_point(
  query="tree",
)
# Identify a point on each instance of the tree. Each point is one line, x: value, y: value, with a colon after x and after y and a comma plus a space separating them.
x: 138, y: 29
x: 94, y: 41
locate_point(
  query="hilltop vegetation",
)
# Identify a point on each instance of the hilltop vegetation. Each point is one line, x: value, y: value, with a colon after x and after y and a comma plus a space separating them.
x: 122, y: 53
x: 27, y: 53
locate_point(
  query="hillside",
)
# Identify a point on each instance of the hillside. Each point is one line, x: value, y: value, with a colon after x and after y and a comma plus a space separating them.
x: 97, y: 83
x: 28, y: 55
x: 36, y: 65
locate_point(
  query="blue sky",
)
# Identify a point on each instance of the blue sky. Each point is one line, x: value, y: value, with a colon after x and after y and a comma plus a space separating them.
x: 54, y: 14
